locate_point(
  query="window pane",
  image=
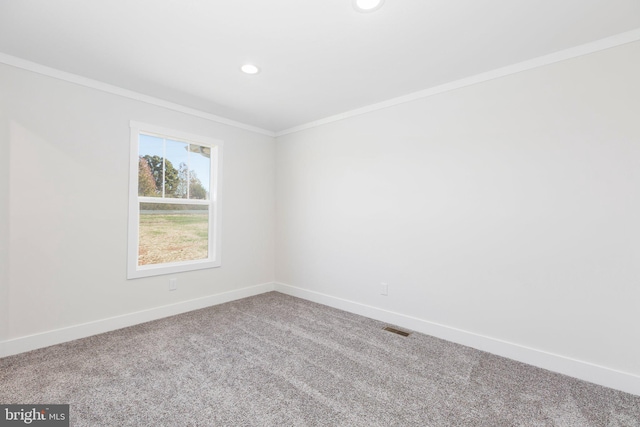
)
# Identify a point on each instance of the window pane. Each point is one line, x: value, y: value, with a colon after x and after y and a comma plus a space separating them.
x: 172, y: 233
x: 200, y: 170
x: 172, y: 168
x: 176, y: 169
x: 150, y: 164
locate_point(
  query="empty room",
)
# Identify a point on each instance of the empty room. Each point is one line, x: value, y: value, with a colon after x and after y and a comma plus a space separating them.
x: 320, y: 213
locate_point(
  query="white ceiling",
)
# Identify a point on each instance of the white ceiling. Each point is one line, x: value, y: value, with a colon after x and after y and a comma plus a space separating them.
x: 318, y: 57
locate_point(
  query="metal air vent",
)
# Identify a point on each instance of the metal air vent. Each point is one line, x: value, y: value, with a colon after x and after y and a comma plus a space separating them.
x: 396, y: 331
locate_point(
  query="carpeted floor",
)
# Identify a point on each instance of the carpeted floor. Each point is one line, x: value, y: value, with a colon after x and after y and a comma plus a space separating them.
x: 275, y: 360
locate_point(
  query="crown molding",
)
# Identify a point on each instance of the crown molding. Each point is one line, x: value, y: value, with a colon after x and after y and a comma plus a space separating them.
x: 126, y: 93
x: 581, y: 50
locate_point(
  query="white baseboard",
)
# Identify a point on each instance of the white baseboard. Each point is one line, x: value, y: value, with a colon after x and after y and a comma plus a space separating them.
x: 58, y: 336
x: 564, y: 365
x: 553, y: 362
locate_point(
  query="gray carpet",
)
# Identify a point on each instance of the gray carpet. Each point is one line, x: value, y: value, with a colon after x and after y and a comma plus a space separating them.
x: 275, y: 360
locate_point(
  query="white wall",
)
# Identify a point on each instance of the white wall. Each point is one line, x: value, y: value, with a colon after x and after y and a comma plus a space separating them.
x: 508, y: 209
x: 64, y: 185
x: 4, y: 226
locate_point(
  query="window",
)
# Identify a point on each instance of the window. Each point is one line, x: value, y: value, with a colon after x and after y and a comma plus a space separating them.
x: 174, y: 201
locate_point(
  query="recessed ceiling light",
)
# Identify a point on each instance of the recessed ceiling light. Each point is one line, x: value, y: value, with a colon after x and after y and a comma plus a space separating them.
x: 367, y: 5
x: 250, y: 69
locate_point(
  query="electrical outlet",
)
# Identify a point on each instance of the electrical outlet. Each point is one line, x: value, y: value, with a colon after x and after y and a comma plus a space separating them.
x: 173, y: 284
x: 384, y: 289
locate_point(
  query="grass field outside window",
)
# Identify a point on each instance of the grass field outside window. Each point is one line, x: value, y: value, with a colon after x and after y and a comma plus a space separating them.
x: 173, y: 236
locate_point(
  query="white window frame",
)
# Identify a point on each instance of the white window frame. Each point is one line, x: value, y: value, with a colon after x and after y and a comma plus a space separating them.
x: 215, y: 207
